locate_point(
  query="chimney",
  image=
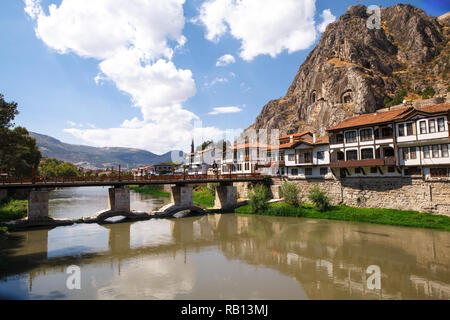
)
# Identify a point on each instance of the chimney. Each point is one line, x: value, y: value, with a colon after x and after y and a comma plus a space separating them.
x: 314, y: 138
x: 291, y: 139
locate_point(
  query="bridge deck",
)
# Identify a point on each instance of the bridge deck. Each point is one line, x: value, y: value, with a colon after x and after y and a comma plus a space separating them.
x: 41, y: 182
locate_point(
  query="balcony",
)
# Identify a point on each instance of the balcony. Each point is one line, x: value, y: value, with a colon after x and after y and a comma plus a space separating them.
x: 363, y: 163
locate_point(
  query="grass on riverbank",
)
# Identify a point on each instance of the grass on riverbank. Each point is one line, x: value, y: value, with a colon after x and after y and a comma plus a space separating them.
x: 13, y: 210
x: 154, y: 190
x: 203, y: 197
x: 345, y: 213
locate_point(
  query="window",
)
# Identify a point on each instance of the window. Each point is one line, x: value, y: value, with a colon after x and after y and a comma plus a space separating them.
x: 291, y: 157
x: 294, y: 172
x: 339, y: 138
x: 357, y: 170
x: 426, y: 152
x: 366, y: 154
x: 391, y: 169
x: 436, y: 151
x: 247, y: 166
x: 386, y: 132
x: 423, y: 127
x: 412, y: 153
x: 441, y: 124
x: 352, y: 155
x: 409, y: 129
x: 307, y: 157
x: 401, y: 130
x: 350, y: 137
x: 405, y: 154
x: 413, y: 171
x: 308, y: 171
x: 431, y: 126
x: 439, y: 172
x: 323, y: 171
x: 444, y: 149
x: 321, y: 155
x: 366, y: 134
x: 373, y: 170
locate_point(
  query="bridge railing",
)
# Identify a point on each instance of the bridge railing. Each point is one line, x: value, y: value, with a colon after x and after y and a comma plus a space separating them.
x: 124, y: 179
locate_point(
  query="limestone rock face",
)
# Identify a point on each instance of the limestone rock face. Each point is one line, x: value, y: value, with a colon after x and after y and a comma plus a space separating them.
x: 353, y: 69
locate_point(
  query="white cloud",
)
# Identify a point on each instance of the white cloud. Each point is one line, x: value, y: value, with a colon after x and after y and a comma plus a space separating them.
x: 132, y: 42
x: 225, y: 60
x: 262, y: 26
x: 223, y: 110
x: 327, y: 18
x: 215, y: 81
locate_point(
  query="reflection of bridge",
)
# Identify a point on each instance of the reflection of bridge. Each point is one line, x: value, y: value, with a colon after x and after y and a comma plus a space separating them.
x: 329, y: 259
x: 119, y: 196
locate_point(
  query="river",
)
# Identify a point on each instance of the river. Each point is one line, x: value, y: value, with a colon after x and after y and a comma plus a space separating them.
x: 221, y: 257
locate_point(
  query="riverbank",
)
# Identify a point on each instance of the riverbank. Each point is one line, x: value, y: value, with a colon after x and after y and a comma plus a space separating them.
x: 13, y: 210
x: 345, y: 213
x: 202, y: 196
x: 153, y: 190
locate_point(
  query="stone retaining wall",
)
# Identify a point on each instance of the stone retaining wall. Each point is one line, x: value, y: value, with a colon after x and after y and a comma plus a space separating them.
x: 393, y: 193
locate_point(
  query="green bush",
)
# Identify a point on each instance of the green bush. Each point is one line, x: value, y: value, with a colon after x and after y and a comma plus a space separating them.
x: 320, y: 199
x: 429, y: 92
x: 290, y: 191
x: 13, y: 210
x: 398, y: 99
x: 258, y: 198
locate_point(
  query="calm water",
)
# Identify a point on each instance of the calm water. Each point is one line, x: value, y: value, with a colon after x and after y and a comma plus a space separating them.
x: 221, y: 257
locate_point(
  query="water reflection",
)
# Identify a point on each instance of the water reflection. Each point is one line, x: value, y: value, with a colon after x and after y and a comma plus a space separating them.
x: 75, y: 203
x: 228, y: 257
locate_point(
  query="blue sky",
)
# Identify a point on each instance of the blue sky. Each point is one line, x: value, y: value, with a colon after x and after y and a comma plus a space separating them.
x: 53, y: 76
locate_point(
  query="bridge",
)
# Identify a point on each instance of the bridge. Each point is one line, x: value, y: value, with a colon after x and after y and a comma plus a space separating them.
x: 119, y: 195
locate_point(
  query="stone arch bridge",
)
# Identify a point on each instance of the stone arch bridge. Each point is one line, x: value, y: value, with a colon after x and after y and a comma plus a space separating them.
x: 119, y: 196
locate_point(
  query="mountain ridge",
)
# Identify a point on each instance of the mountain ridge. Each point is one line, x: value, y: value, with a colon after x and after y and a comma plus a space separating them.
x: 95, y: 157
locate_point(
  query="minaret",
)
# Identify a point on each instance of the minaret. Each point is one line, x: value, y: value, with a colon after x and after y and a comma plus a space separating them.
x: 192, y: 152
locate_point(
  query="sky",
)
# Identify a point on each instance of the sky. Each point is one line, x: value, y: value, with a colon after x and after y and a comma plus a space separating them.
x: 153, y: 74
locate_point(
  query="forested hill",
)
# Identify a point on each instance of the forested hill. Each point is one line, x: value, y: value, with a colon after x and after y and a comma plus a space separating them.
x: 96, y: 157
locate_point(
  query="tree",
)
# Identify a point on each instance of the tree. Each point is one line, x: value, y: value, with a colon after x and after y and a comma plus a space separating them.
x: 48, y: 167
x: 8, y: 111
x: 290, y: 192
x: 429, y: 92
x: 66, y: 170
x: 18, y: 151
x: 319, y: 198
x: 205, y: 145
x: 258, y: 198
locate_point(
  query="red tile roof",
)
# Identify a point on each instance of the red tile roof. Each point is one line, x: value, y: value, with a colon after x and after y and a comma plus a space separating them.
x: 296, y: 135
x: 436, y: 108
x: 387, y: 116
x: 372, y: 118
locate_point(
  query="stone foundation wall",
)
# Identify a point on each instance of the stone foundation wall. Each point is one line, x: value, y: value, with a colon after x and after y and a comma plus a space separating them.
x: 393, y: 193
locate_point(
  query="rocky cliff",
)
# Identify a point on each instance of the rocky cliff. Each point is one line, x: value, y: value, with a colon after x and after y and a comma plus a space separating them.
x: 355, y: 70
